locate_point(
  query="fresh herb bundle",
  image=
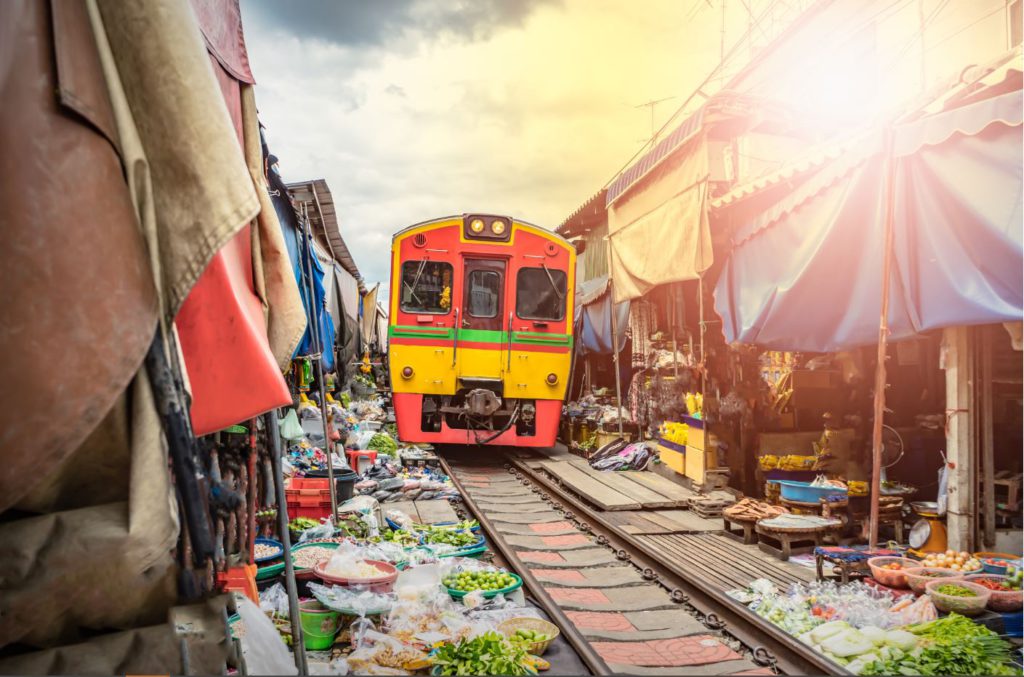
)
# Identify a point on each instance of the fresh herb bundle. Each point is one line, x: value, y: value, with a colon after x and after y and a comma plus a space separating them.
x: 486, y: 654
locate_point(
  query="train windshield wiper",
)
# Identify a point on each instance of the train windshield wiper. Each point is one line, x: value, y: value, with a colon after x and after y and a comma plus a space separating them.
x: 554, y: 286
x: 415, y: 281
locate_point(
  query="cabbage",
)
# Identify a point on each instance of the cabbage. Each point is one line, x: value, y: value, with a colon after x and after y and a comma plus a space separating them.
x: 901, y: 639
x: 857, y: 665
x: 876, y: 635
x: 823, y: 632
x: 847, y: 643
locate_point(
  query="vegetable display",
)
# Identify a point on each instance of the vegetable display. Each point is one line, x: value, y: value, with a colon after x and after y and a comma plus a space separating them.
x: 957, y: 561
x: 467, y: 581
x: 953, y: 645
x: 458, y: 539
x: 487, y: 654
x: 302, y: 523
x: 382, y: 443
x: 529, y: 636
x: 955, y: 590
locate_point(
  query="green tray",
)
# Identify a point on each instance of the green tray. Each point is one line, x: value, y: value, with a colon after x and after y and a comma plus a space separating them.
x: 459, y: 594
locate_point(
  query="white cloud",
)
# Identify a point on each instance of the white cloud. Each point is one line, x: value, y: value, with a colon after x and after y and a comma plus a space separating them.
x: 527, y: 116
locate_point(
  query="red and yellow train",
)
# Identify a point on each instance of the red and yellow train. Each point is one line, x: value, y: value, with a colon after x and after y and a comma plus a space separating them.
x: 480, y: 331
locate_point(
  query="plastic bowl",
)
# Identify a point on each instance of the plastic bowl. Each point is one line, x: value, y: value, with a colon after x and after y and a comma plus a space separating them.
x: 999, y: 566
x: 803, y: 491
x: 270, y: 543
x: 383, y: 583
x: 1003, y: 601
x: 459, y: 594
x: 892, y: 578
x: 965, y: 606
x: 917, y: 580
x: 510, y: 626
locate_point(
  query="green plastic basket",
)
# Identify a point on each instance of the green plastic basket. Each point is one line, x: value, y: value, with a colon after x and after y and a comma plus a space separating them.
x: 459, y: 594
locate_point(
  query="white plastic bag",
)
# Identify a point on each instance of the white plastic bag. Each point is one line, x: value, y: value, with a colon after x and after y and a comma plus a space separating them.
x: 274, y: 600
x: 263, y: 650
x: 291, y: 429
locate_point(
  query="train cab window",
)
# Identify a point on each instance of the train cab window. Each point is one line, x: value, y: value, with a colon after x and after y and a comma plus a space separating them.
x: 484, y: 292
x: 540, y: 294
x: 426, y: 287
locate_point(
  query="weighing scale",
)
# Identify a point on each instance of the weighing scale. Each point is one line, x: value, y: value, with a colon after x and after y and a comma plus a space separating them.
x: 929, y: 533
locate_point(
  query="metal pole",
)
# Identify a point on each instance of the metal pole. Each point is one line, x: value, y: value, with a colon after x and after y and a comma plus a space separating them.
x: 701, y: 325
x: 883, y: 340
x: 615, y: 338
x: 274, y: 440
x: 318, y: 357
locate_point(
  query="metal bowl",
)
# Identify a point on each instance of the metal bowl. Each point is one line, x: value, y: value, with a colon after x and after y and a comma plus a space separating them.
x: 923, y: 508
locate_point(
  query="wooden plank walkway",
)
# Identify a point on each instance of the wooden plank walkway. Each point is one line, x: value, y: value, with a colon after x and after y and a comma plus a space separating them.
x: 590, y: 487
x: 436, y: 511
x: 724, y: 563
x: 614, y: 490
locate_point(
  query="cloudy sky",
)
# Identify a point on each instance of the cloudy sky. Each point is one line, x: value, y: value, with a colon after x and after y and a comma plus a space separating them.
x: 414, y: 109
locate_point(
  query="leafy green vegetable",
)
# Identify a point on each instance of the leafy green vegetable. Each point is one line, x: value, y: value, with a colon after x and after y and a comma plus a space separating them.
x: 486, y: 654
x: 953, y: 645
x: 382, y: 442
x: 451, y: 537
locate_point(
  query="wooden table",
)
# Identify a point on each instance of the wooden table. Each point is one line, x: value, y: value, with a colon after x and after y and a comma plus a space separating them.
x: 745, y: 534
x: 791, y: 540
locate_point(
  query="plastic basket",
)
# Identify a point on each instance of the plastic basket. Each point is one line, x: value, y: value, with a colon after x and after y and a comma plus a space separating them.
x: 459, y: 594
x: 510, y: 626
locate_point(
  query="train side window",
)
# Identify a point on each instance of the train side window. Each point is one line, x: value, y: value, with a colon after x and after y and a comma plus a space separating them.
x: 484, y: 292
x: 426, y: 287
x: 540, y: 294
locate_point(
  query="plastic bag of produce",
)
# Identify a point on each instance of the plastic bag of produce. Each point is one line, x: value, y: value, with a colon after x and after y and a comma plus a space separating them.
x: 274, y: 601
x: 381, y: 495
x: 322, y: 531
x: 392, y: 484
x: 291, y: 429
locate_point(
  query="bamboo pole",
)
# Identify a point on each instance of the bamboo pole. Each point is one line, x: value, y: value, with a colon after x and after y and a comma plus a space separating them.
x: 615, y: 337
x: 883, y: 342
x: 274, y: 440
x: 317, y: 357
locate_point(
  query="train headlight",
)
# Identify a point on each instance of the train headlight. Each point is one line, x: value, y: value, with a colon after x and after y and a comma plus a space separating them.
x: 407, y: 372
x: 477, y: 225
x: 498, y: 227
x: 552, y: 379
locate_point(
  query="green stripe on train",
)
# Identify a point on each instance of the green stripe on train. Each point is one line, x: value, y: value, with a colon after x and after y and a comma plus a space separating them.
x: 479, y: 335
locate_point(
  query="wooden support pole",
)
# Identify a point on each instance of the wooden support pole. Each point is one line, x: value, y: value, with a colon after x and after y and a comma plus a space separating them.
x: 883, y: 343
x: 959, y: 438
x: 987, y: 442
x: 615, y: 338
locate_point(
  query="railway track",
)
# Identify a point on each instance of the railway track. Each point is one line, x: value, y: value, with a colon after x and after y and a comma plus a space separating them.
x: 624, y: 606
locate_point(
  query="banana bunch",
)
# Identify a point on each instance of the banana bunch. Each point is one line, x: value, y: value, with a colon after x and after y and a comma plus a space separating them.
x: 676, y: 433
x: 695, y: 404
x: 446, y: 298
x: 793, y: 462
x: 857, y: 488
x: 768, y: 462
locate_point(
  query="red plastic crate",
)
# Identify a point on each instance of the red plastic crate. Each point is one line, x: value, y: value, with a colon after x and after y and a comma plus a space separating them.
x: 241, y: 579
x: 308, y: 497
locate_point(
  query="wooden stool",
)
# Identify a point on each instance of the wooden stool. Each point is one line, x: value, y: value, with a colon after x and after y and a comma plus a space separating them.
x: 745, y: 534
x: 793, y: 541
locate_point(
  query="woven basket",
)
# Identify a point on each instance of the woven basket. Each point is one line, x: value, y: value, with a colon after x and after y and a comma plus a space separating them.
x: 510, y: 626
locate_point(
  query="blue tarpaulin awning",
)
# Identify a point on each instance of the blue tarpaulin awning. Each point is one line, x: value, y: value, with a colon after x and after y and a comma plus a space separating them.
x: 806, y: 274
x: 593, y: 318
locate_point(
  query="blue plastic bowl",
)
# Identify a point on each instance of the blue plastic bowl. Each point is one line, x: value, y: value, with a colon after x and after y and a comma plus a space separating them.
x: 272, y: 543
x: 805, y: 493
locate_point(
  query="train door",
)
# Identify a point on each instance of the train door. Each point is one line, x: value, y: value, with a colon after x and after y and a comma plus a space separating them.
x: 481, y: 324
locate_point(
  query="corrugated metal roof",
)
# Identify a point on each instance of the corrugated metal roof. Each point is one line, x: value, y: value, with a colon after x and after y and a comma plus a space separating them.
x: 680, y: 135
x: 587, y: 216
x: 323, y: 219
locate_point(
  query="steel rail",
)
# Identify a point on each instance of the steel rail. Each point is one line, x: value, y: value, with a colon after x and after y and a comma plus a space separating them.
x: 582, y: 647
x: 783, y: 651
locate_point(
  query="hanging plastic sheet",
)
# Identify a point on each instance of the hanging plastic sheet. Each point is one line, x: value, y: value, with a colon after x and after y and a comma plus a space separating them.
x: 806, y: 274
x: 593, y: 320
x: 658, y: 229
